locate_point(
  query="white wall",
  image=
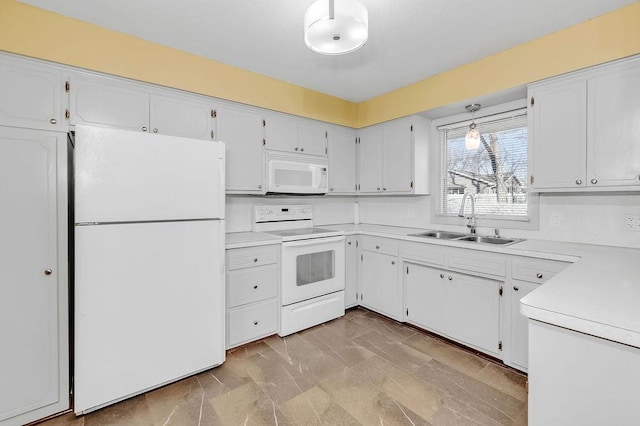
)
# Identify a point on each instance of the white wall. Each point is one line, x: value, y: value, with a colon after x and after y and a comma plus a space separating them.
x: 592, y: 219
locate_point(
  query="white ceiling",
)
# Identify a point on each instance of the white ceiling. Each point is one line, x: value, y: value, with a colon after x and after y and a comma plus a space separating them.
x: 409, y: 40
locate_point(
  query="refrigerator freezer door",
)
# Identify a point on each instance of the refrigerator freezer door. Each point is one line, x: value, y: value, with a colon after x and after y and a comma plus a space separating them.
x: 126, y: 176
x: 149, y: 306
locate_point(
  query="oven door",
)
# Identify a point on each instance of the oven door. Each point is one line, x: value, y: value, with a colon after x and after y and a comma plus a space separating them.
x: 312, y: 268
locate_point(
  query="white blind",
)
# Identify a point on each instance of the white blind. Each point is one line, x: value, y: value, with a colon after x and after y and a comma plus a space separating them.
x: 496, y: 172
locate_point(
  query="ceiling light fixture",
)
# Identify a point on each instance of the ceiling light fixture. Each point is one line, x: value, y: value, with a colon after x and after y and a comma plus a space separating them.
x: 336, y: 29
x: 472, y: 139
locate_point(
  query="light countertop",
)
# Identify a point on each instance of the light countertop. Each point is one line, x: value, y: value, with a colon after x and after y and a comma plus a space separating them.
x: 250, y: 239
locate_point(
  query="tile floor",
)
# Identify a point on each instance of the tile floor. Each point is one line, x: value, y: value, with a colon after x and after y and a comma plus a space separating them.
x: 359, y: 369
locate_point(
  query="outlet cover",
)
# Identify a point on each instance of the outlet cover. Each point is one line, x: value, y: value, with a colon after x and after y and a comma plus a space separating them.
x: 632, y: 222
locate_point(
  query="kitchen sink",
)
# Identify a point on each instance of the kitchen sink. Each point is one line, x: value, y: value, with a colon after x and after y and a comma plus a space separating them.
x: 457, y: 236
x: 488, y: 240
x: 440, y: 235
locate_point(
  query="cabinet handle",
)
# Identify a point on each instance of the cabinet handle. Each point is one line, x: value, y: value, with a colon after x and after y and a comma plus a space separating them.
x: 255, y: 259
x: 295, y: 149
x: 255, y: 287
x: 53, y: 121
x: 441, y: 275
x: 384, y: 189
x: 330, y: 189
x: 48, y: 272
x: 349, y: 242
x: 539, y: 275
x: 578, y: 181
x: 594, y: 181
x: 144, y: 128
x: 255, y: 323
x: 516, y: 288
x: 393, y: 262
x: 155, y: 130
x: 450, y: 277
x: 378, y: 188
x: 259, y: 186
x: 301, y: 149
x: 377, y: 247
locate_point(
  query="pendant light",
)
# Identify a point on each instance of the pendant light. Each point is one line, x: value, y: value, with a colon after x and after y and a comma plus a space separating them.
x: 336, y: 27
x: 472, y: 139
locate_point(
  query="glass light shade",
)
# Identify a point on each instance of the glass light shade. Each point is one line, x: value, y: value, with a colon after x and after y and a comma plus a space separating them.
x: 346, y: 32
x: 472, y: 139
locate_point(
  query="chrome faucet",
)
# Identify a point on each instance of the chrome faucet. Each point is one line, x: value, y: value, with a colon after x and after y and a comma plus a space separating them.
x: 472, y: 219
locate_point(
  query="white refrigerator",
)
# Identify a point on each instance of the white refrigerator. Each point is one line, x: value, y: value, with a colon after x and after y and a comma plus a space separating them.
x: 149, y: 262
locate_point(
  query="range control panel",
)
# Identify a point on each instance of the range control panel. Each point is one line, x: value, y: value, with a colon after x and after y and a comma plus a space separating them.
x: 282, y: 213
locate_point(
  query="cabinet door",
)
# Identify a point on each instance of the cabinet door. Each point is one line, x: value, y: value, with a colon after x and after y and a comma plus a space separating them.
x: 108, y: 102
x: 558, y: 135
x: 426, y: 297
x: 31, y: 97
x: 342, y: 163
x: 370, y: 160
x: 473, y: 311
x: 397, y: 157
x: 613, y: 147
x: 351, y: 273
x: 241, y: 131
x: 312, y: 139
x: 380, y: 287
x: 281, y: 134
x: 519, y: 324
x: 178, y: 116
x: 33, y: 329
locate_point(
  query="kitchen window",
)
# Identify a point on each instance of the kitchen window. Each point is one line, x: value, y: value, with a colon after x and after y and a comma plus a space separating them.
x: 495, y: 173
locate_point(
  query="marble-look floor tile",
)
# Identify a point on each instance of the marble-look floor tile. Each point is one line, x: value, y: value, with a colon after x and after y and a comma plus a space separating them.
x: 395, y: 352
x: 315, y: 407
x: 68, y: 419
x: 506, y: 380
x: 184, y: 402
x: 391, y: 329
x: 447, y: 353
x: 226, y: 377
x: 346, y: 328
x: 345, y: 351
x: 248, y: 405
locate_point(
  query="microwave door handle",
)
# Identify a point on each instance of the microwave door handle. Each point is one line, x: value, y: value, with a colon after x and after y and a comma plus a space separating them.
x: 314, y: 241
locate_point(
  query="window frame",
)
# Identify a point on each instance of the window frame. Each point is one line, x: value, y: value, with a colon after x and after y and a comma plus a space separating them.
x: 530, y: 222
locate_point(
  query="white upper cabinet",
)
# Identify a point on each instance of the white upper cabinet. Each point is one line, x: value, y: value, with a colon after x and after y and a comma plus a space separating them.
x: 394, y: 157
x: 182, y: 116
x: 33, y: 96
x: 370, y: 160
x: 585, y: 130
x: 342, y: 162
x: 558, y: 134
x: 241, y: 131
x: 109, y: 102
x: 112, y: 102
x: 312, y: 138
x: 613, y: 148
x: 288, y: 134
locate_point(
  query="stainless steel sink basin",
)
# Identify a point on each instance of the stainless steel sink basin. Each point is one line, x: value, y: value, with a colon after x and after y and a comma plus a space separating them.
x: 440, y: 235
x: 488, y: 240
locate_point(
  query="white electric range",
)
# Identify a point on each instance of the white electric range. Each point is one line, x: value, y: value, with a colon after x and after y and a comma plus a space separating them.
x: 313, y: 266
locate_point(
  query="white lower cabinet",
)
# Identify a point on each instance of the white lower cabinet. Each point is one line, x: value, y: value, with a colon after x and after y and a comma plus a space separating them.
x: 380, y: 287
x: 461, y: 307
x: 351, y: 272
x: 519, y: 336
x: 253, y: 305
x: 34, y: 372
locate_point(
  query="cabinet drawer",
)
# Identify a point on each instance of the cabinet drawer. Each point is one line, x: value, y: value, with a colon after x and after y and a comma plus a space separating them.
x: 252, y: 284
x: 252, y: 322
x: 536, y: 270
x: 423, y: 252
x: 478, y: 261
x: 252, y: 256
x: 380, y: 245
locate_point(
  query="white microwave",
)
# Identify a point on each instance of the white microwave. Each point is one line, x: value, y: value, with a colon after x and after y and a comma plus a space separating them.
x: 296, y: 174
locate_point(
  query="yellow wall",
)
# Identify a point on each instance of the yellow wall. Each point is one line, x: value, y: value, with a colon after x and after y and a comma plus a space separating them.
x: 34, y: 32
x: 605, y: 38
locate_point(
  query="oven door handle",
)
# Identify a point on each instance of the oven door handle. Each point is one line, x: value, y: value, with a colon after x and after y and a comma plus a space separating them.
x: 313, y: 241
